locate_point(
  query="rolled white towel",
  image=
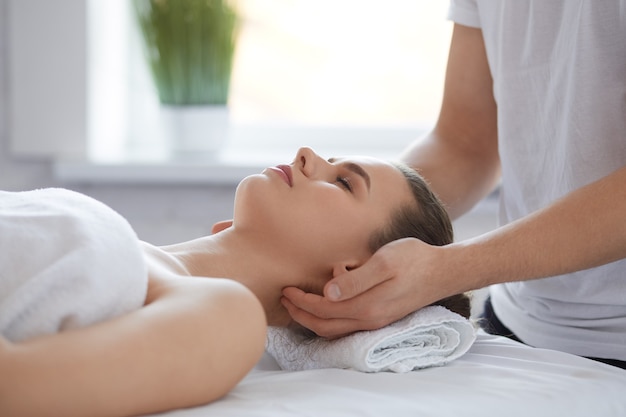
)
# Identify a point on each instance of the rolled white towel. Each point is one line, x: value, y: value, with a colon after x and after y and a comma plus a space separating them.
x: 432, y: 336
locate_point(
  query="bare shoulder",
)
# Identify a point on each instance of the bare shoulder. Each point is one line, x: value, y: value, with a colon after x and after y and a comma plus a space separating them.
x: 205, y: 292
x: 215, y: 324
x: 168, y: 277
x: 164, y: 273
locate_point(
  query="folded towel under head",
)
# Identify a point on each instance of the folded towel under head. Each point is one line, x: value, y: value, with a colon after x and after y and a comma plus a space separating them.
x: 432, y: 336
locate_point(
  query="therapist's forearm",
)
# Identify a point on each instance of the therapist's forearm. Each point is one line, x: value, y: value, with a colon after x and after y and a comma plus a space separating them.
x: 584, y: 229
x: 460, y: 174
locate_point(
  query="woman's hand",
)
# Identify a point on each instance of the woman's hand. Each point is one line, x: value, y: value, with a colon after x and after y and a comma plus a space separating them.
x: 401, y: 277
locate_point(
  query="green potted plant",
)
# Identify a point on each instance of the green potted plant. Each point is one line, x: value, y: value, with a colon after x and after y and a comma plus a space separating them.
x: 189, y: 47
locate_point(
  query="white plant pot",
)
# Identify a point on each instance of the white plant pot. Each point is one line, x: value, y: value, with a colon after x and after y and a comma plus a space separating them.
x: 198, y: 132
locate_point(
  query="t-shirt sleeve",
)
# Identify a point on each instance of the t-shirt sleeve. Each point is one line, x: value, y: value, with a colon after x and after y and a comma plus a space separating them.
x: 464, y: 12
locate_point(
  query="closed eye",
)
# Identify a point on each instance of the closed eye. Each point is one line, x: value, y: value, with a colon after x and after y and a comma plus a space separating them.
x: 345, y: 183
x: 355, y: 168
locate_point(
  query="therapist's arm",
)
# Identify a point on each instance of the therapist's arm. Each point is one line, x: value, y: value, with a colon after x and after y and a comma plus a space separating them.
x: 584, y: 229
x: 459, y: 158
x: 190, y: 345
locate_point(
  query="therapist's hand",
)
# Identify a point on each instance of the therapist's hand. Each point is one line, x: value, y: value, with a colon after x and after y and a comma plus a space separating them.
x: 398, y: 279
x: 221, y: 225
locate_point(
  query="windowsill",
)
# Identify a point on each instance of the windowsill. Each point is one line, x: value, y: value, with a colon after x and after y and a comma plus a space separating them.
x: 250, y: 150
x: 165, y: 172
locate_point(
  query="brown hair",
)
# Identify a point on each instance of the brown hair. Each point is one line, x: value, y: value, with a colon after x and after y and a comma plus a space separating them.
x: 428, y: 221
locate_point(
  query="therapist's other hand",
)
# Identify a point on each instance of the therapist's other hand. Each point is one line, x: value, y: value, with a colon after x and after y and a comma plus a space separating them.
x: 397, y: 280
x: 221, y: 225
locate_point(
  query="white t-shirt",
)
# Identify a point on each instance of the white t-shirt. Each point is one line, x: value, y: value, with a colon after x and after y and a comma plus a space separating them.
x: 559, y: 80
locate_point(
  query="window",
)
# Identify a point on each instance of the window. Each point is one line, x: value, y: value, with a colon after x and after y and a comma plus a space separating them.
x: 341, y: 62
x: 345, y: 70
x: 346, y: 76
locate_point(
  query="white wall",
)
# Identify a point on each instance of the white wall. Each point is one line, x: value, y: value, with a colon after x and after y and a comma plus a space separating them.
x: 159, y: 214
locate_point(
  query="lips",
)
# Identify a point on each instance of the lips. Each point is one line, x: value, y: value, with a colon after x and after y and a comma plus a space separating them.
x: 284, y: 171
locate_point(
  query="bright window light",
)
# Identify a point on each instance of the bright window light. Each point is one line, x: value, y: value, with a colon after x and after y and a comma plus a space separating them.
x: 338, y: 62
x: 323, y: 63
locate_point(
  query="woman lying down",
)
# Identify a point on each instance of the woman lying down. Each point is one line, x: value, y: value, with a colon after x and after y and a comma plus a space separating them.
x: 94, y: 322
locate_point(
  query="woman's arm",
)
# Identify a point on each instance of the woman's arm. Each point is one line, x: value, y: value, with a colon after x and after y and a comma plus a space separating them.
x: 194, y: 341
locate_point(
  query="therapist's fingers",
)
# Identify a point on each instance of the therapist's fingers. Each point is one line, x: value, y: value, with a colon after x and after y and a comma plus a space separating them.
x: 399, y: 278
x: 316, y: 304
x: 334, y: 319
x: 353, y: 283
x: 328, y: 328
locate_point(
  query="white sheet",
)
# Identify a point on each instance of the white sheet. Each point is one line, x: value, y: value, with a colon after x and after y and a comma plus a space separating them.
x: 497, y: 377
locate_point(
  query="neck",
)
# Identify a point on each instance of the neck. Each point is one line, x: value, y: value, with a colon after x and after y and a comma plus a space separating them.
x: 250, y: 261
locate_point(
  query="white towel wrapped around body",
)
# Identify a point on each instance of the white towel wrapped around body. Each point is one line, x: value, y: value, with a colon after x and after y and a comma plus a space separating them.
x: 66, y: 261
x: 432, y: 336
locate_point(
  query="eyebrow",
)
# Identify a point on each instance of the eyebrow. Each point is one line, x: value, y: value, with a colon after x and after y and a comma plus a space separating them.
x: 357, y: 169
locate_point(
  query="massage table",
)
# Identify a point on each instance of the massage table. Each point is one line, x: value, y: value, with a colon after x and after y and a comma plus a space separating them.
x: 496, y: 377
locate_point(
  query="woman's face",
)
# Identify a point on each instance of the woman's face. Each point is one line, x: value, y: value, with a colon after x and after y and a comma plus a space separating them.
x: 321, y: 211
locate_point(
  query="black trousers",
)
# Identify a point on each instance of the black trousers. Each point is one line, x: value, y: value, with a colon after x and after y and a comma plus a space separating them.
x: 492, y: 325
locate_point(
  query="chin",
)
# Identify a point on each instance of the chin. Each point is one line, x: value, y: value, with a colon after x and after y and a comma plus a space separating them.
x: 248, y: 196
x: 256, y: 197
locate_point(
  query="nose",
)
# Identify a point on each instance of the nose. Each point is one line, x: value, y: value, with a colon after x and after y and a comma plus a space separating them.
x: 308, y: 161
